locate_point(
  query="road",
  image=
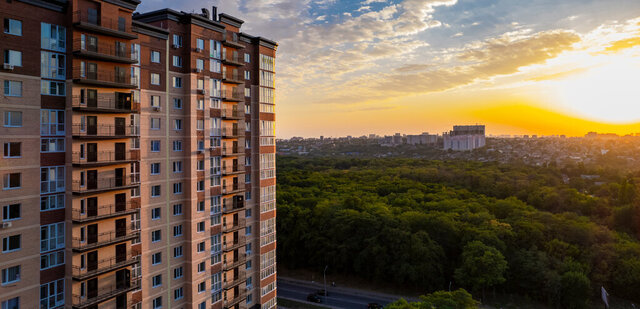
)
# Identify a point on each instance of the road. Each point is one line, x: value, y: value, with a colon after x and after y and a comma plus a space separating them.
x: 338, y: 297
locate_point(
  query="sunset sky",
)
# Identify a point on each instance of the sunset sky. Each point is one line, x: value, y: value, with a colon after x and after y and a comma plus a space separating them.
x: 383, y: 66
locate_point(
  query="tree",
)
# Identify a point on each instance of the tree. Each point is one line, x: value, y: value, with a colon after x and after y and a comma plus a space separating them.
x: 459, y: 299
x: 574, y: 290
x: 482, y: 266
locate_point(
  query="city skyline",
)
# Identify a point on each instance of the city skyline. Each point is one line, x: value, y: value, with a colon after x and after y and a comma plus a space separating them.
x: 377, y: 66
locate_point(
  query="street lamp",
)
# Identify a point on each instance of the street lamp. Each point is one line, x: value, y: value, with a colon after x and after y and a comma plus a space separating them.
x: 325, y: 279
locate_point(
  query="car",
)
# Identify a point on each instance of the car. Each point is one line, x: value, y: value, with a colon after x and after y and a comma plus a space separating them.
x: 322, y: 293
x: 374, y: 306
x: 314, y: 298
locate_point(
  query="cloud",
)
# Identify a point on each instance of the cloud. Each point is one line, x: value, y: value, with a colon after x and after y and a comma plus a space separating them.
x: 622, y: 44
x: 559, y: 75
x: 366, y: 2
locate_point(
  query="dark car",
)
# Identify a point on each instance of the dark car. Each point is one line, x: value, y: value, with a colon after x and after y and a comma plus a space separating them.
x: 374, y: 306
x: 314, y: 298
x: 322, y: 293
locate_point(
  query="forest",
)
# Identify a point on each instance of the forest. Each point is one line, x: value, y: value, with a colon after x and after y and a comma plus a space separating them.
x: 541, y: 232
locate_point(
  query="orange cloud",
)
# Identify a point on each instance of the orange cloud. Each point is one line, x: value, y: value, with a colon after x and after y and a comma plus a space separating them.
x: 622, y: 44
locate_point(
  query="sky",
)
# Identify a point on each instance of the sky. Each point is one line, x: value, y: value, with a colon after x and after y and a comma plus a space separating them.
x: 358, y: 67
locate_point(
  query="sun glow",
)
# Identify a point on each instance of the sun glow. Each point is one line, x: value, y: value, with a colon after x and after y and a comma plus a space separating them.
x: 609, y: 92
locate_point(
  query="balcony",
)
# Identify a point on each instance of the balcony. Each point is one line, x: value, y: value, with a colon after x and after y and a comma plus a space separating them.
x: 103, y: 51
x: 103, y: 266
x: 235, y: 95
x: 103, y: 158
x: 104, y: 293
x: 232, y: 114
x: 235, y: 244
x: 232, y: 60
x: 232, y: 132
x: 105, y: 211
x: 232, y: 170
x: 232, y: 227
x: 231, y: 205
x: 93, y: 241
x: 102, y: 184
x: 232, y: 78
x: 232, y: 152
x: 238, y: 279
x: 232, y: 188
x: 104, y: 78
x: 237, y: 298
x: 103, y: 25
x: 241, y: 259
x: 232, y: 41
x: 104, y: 131
x: 116, y: 103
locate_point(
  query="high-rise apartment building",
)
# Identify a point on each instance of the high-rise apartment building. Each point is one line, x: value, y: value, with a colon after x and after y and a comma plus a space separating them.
x: 138, y: 165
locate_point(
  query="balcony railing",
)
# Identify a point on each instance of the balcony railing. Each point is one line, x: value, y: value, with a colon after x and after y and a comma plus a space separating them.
x: 232, y: 114
x: 232, y: 41
x: 104, y: 239
x: 104, y: 293
x: 231, y: 132
x: 103, y: 157
x: 237, y: 298
x: 104, y: 78
x: 103, y: 51
x: 104, y: 130
x: 236, y: 225
x: 232, y: 78
x: 230, y: 170
x: 105, y: 211
x: 103, y: 266
x: 232, y: 151
x: 229, y: 205
x: 232, y: 95
x: 234, y: 244
x: 105, y: 103
x: 239, y: 278
x: 233, y: 188
x: 105, y: 184
x: 103, y: 24
x: 228, y: 265
x: 232, y: 59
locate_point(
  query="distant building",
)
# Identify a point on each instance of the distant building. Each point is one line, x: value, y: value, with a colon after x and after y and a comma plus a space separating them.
x: 422, y: 139
x: 465, y: 138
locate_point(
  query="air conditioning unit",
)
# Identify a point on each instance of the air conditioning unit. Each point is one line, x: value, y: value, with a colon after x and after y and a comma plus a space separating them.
x: 198, y: 70
x: 198, y: 50
x: 156, y: 108
x: 8, y: 66
x: 175, y: 45
x: 202, y: 91
x: 200, y: 151
x: 6, y: 225
x: 212, y: 148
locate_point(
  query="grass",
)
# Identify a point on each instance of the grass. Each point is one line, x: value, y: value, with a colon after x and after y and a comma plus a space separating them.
x: 286, y: 303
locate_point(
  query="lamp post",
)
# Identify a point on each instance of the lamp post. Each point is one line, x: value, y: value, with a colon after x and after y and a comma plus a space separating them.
x: 324, y: 273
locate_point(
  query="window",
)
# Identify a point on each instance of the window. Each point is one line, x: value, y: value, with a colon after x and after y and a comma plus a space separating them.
x: 200, y: 125
x: 216, y: 246
x: 202, y: 305
x: 201, y: 267
x: 155, y: 168
x: 52, y: 65
x: 177, y: 40
x: 156, y: 236
x: 157, y: 303
x: 200, y: 227
x: 177, y: 166
x: 247, y: 58
x: 247, y: 230
x: 155, y: 79
x: 177, y: 210
x: 247, y: 213
x: 155, y: 101
x: 178, y: 293
x: 177, y: 61
x: 155, y: 146
x: 215, y: 88
x: 214, y: 66
x: 11, y: 275
x: 248, y: 265
x: 201, y: 206
x: 247, y: 178
x: 12, y: 181
x: 52, y: 237
x: 155, y: 213
x: 52, y: 294
x: 52, y: 179
x: 50, y: 260
x: 202, y: 286
x: 247, y: 92
x: 156, y: 281
x: 156, y: 258
x: 53, y: 37
x: 11, y: 212
x: 13, y: 303
x: 14, y: 27
x: 11, y: 243
x: 49, y: 87
x: 12, y: 150
x: 13, y: 119
x: 249, y: 299
x: 177, y: 188
x: 52, y: 202
x: 200, y: 44
x: 177, y: 272
x: 155, y: 191
x: 247, y: 75
x: 177, y: 230
x: 177, y: 252
x: 177, y: 124
x: 155, y: 56
x: 201, y: 246
x: 52, y: 122
x: 214, y: 49
x: 267, y: 63
x: 177, y: 103
x: 200, y: 187
x: 13, y: 57
x: 12, y: 88
x: 177, y: 82
x: 177, y: 145
x: 200, y: 66
x: 216, y: 282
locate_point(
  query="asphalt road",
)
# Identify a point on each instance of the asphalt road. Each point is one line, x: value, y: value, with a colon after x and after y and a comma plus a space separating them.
x: 337, y: 298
